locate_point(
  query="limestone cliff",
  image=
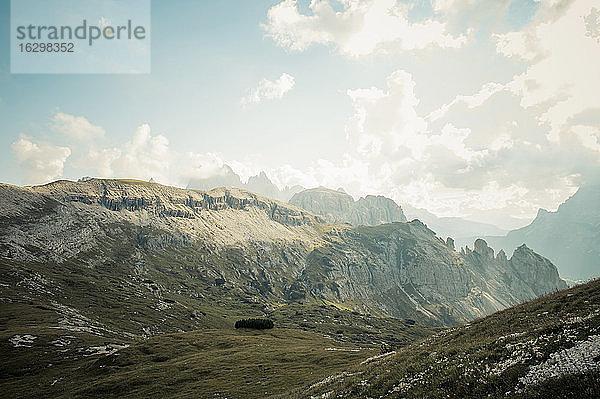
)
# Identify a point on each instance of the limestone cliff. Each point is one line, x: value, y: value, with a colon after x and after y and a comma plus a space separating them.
x: 339, y: 207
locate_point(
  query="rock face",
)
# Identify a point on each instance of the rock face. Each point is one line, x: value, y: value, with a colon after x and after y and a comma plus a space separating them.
x: 405, y: 266
x: 339, y: 207
x: 569, y: 237
x: 162, y: 201
x: 238, y: 245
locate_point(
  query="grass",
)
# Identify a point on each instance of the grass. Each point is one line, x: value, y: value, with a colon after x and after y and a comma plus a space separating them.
x: 235, y: 364
x: 209, y: 363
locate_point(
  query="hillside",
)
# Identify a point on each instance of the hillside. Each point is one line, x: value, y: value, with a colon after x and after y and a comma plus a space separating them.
x: 569, y: 237
x: 339, y: 207
x: 545, y: 348
x: 206, y: 363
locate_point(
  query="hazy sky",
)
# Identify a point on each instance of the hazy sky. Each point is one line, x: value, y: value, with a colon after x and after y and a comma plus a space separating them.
x: 463, y: 107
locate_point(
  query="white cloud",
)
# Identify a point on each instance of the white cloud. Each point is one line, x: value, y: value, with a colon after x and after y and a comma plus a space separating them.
x: 517, y: 44
x: 471, y: 101
x: 588, y: 136
x: 453, y: 140
x: 270, y: 90
x: 143, y: 157
x: 450, y: 5
x: 500, y: 167
x: 562, y: 77
x: 363, y: 27
x: 41, y: 162
x: 385, y: 120
x: 201, y: 165
x: 396, y: 149
x: 76, y: 127
x: 101, y: 160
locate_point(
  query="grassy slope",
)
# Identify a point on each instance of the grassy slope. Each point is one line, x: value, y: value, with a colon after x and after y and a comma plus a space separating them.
x: 108, y: 305
x: 210, y: 363
x: 487, y: 357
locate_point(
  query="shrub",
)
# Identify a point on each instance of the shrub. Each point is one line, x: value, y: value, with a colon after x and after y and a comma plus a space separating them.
x: 259, y: 324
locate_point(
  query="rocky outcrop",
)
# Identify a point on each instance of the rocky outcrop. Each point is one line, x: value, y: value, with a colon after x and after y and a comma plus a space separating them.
x: 462, y: 231
x: 480, y: 247
x: 339, y: 207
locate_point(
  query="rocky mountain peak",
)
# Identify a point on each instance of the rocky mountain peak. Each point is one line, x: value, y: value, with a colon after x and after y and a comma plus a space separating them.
x: 260, y: 184
x: 483, y: 249
x: 501, y: 256
x: 337, y: 206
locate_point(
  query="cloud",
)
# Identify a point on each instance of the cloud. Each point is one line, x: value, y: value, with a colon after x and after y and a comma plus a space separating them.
x: 470, y: 101
x: 517, y: 44
x: 102, y: 160
x: 143, y: 157
x: 363, y: 27
x: 270, y: 90
x: 383, y: 121
x: 562, y: 77
x: 588, y: 136
x: 398, y: 148
x: 76, y: 127
x: 41, y: 162
x: 489, y: 156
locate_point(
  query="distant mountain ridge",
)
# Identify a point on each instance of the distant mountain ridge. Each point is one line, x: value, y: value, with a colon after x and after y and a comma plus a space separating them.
x: 260, y: 184
x: 338, y: 207
x: 569, y: 237
x: 370, y: 210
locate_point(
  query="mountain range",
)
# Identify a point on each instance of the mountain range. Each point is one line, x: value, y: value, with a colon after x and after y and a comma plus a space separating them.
x: 568, y: 237
x: 258, y: 247
x: 109, y: 286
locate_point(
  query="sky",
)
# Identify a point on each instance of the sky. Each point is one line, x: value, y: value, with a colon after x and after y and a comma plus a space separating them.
x: 479, y: 109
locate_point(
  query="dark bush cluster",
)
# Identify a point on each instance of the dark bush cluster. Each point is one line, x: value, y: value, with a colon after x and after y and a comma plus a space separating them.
x: 260, y: 324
